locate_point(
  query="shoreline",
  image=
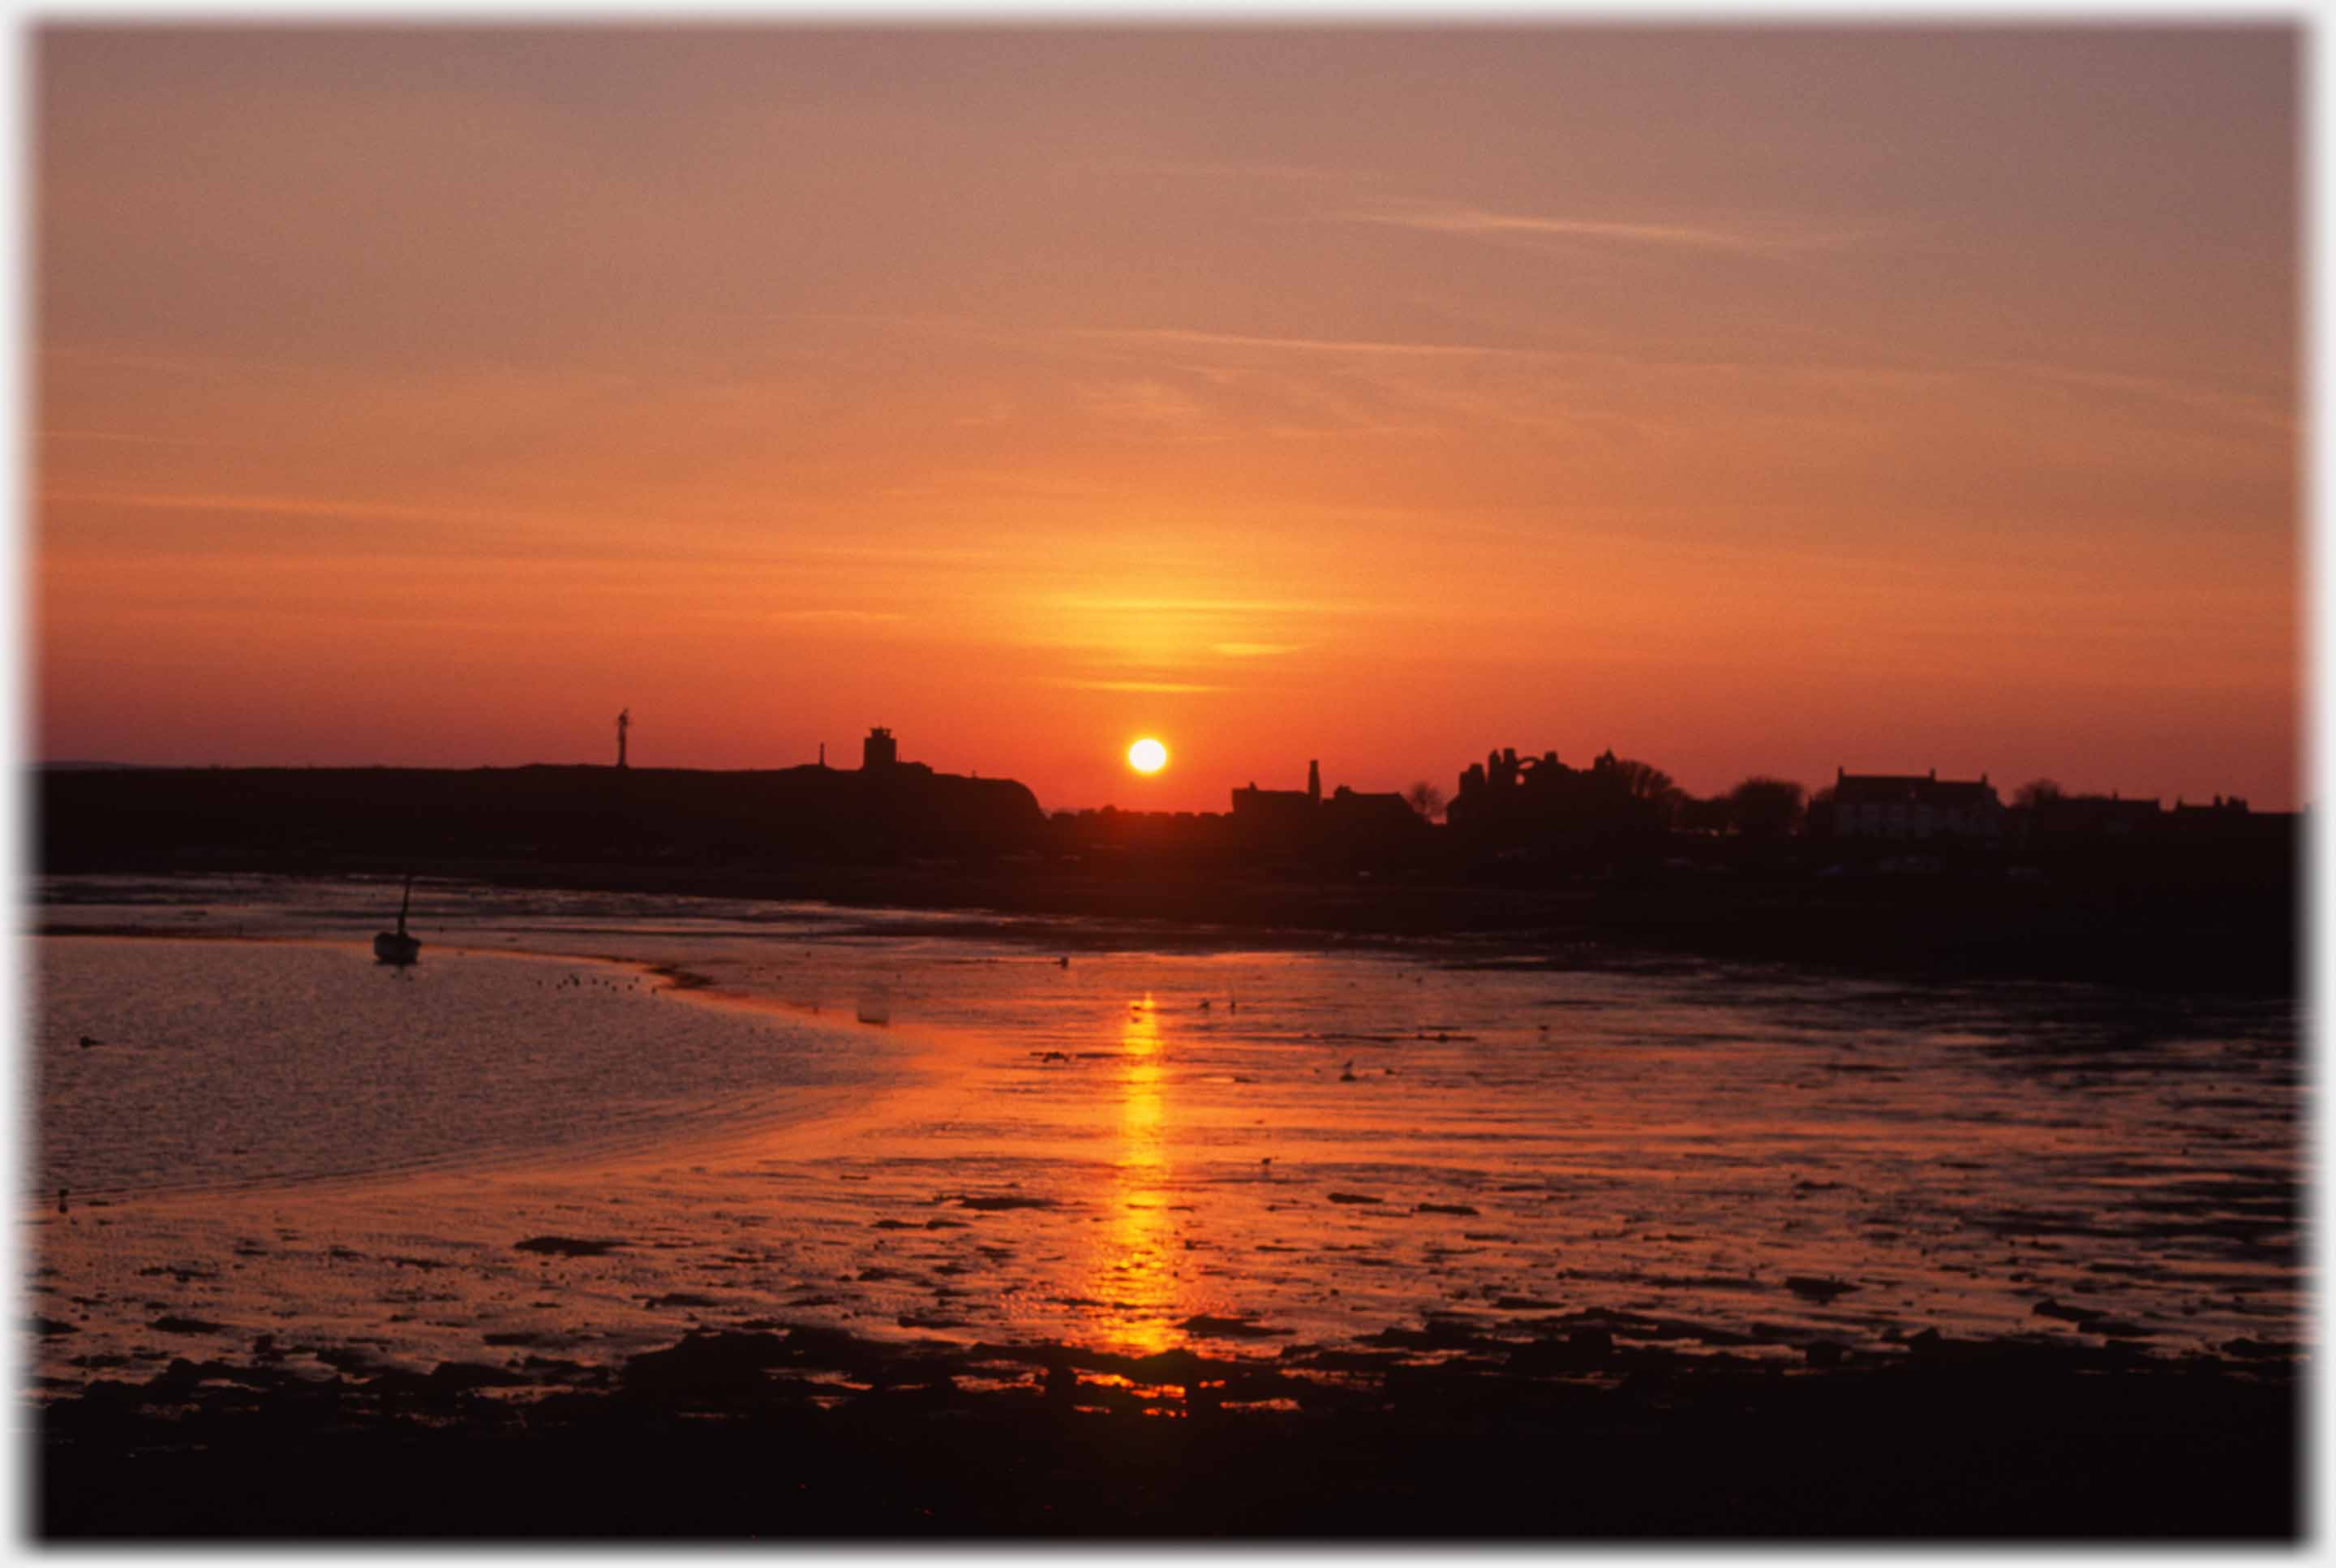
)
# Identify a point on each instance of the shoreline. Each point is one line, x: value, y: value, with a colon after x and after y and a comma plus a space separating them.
x: 1915, y: 928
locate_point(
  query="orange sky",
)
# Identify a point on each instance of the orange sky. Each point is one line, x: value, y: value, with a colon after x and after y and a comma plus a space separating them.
x: 1762, y: 401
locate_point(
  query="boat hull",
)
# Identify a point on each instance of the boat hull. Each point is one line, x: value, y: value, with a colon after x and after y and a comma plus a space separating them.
x: 392, y: 947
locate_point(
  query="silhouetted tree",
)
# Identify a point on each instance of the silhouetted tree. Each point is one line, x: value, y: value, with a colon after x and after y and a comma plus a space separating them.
x: 1762, y: 807
x: 1645, y: 781
x: 1691, y: 815
x: 1649, y: 784
x: 2034, y: 793
x: 1426, y: 800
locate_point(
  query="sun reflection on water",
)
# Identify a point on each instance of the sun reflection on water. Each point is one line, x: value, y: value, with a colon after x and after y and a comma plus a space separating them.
x: 1134, y: 1269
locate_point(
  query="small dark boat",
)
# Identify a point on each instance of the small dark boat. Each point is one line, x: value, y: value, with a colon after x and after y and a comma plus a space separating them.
x: 396, y: 947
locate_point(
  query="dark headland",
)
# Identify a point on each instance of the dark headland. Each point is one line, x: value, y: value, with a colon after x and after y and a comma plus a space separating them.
x: 1903, y: 873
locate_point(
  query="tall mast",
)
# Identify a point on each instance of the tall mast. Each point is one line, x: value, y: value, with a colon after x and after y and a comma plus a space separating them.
x: 624, y: 722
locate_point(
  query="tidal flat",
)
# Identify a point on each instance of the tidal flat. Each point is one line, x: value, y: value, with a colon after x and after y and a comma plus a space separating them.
x: 907, y: 1223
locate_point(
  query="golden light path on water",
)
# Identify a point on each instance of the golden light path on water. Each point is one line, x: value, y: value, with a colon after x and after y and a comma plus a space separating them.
x: 1135, y: 1272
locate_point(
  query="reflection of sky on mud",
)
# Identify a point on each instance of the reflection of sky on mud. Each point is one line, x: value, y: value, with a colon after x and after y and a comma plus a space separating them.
x: 1136, y: 1150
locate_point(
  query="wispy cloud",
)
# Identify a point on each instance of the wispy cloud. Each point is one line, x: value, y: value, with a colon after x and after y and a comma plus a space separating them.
x: 290, y: 506
x: 894, y: 554
x: 1154, y: 405
x: 1173, y: 336
x: 620, y: 534
x: 127, y: 438
x: 1259, y: 649
x: 1216, y: 606
x: 2243, y: 407
x: 1477, y: 222
x: 1221, y: 168
x: 836, y: 615
x: 124, y: 359
x: 1151, y: 686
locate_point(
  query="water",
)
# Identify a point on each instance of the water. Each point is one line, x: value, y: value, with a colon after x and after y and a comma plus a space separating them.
x: 231, y: 1063
x: 1240, y: 1150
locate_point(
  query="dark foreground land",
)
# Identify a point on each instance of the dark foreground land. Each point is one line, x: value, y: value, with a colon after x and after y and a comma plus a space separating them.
x: 1569, y: 1436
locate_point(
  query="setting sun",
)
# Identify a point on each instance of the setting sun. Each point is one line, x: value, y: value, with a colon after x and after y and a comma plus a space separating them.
x: 1147, y: 756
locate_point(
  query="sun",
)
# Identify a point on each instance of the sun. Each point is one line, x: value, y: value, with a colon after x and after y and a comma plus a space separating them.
x: 1147, y: 756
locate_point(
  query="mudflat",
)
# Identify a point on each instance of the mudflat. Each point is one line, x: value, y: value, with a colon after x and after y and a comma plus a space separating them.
x: 650, y: 1215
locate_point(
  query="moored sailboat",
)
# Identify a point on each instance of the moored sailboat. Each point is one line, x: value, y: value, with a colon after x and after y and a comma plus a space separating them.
x: 396, y: 947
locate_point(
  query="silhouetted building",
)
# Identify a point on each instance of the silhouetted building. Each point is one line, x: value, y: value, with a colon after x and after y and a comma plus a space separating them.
x: 1286, y: 814
x: 1503, y: 786
x: 1360, y: 814
x: 2108, y: 816
x: 1513, y: 799
x: 881, y: 767
x: 1914, y: 806
x: 1352, y: 826
x: 2229, y: 824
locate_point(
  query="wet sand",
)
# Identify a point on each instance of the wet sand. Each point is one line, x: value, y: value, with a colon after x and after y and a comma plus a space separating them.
x: 1044, y: 1279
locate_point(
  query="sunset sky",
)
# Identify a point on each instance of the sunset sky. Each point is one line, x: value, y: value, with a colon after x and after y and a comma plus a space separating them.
x: 1747, y: 402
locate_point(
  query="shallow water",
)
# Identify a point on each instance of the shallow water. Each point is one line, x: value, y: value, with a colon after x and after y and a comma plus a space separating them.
x: 219, y: 1063
x: 1239, y: 1149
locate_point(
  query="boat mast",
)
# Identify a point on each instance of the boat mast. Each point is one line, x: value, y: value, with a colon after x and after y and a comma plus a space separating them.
x: 404, y: 903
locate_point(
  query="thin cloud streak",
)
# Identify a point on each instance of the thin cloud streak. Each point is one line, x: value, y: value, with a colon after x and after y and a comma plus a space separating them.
x: 399, y: 512
x: 124, y: 359
x: 2237, y: 406
x: 1224, y: 606
x: 893, y: 554
x: 294, y: 506
x: 1216, y: 169
x: 1186, y: 338
x: 1477, y: 222
x: 127, y: 438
